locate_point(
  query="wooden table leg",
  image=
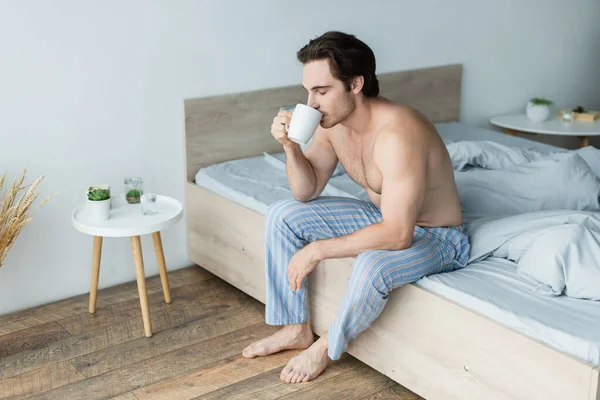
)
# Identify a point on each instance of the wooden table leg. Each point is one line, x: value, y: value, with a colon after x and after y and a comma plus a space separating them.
x: 136, y: 247
x: 97, y: 252
x: 162, y: 267
x: 584, y: 141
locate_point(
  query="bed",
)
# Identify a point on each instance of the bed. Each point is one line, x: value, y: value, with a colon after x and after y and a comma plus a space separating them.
x: 434, y: 337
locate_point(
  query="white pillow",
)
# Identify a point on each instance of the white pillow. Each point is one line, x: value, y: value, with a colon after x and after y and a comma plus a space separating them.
x: 557, y: 182
x: 591, y: 155
x: 564, y: 259
x: 489, y: 155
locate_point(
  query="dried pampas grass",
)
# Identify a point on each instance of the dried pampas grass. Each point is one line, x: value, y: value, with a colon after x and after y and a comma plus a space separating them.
x: 15, y: 209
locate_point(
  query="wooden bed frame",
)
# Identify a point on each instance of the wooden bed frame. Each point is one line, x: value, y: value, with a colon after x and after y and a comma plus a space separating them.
x: 432, y: 346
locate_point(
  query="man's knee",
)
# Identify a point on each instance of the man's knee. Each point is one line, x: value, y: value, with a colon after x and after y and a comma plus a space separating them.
x: 280, y: 211
x: 368, y: 270
x: 276, y: 210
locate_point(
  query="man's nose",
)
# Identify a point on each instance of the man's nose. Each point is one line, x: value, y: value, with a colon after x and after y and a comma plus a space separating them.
x: 311, y: 102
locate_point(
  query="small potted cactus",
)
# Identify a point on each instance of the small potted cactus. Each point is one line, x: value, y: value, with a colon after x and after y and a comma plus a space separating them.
x: 99, y: 203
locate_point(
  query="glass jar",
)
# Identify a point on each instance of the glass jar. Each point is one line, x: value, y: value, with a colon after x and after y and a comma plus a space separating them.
x: 567, y: 115
x: 134, y: 188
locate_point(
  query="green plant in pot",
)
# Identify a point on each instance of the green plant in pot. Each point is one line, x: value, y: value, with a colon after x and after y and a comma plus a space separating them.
x: 99, y: 204
x: 539, y: 101
x: 99, y: 195
x: 538, y: 109
x: 133, y: 196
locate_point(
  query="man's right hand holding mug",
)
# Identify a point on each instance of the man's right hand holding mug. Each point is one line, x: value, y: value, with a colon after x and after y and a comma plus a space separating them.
x: 283, y: 118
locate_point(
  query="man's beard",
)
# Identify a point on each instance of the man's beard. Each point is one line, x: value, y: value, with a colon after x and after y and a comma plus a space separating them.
x: 341, y: 113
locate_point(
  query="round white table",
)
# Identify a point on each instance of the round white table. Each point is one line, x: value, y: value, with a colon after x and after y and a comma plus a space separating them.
x: 553, y: 126
x: 127, y: 220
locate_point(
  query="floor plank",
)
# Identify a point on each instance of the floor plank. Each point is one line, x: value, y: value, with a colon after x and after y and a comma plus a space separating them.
x: 178, y: 362
x: 394, y: 392
x: 31, y: 338
x: 218, y: 320
x: 112, y: 335
x: 128, y: 309
x: 40, y: 380
x: 356, y: 383
x: 125, y: 396
x: 54, y: 311
x: 268, y: 385
x: 224, y: 373
x: 60, y: 351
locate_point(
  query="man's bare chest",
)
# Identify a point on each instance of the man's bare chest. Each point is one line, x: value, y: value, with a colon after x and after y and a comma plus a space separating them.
x: 358, y: 161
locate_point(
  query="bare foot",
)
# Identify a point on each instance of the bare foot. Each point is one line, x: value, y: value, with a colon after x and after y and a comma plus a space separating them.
x: 289, y: 337
x: 307, y: 365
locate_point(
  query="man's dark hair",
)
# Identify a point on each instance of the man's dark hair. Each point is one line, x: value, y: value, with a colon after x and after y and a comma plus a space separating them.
x: 348, y: 57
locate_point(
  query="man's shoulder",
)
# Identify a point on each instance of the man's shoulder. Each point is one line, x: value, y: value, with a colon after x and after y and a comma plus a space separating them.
x: 404, y: 116
x: 405, y: 130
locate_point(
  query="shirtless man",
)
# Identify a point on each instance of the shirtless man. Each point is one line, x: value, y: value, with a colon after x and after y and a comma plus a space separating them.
x: 412, y: 226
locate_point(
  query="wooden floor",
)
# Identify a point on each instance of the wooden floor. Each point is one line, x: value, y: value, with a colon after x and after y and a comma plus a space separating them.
x: 60, y: 351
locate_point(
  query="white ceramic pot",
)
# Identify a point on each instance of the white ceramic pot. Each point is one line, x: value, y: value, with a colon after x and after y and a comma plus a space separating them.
x: 537, y: 113
x: 99, y: 210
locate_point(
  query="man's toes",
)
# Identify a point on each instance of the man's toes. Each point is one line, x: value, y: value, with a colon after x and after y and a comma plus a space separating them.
x: 285, y: 373
x: 300, y: 378
x: 248, y: 353
x: 296, y: 377
x: 305, y: 378
x: 289, y: 377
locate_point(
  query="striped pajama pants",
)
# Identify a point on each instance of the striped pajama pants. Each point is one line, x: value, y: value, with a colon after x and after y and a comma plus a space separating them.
x: 290, y: 225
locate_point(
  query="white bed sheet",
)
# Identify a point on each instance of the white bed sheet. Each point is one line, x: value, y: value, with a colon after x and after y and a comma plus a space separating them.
x: 490, y: 287
x: 255, y: 183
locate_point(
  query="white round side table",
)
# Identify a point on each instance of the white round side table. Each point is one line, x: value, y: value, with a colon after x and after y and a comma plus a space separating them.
x: 127, y: 220
x: 553, y: 126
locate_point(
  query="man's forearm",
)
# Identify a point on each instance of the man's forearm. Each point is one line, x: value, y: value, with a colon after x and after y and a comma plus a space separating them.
x: 301, y: 175
x: 372, y: 237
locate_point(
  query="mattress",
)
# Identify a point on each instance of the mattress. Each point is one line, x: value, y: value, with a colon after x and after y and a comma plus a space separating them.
x: 490, y: 287
x: 493, y: 288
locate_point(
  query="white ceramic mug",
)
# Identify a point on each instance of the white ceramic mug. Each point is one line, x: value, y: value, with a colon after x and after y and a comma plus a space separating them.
x: 304, y: 123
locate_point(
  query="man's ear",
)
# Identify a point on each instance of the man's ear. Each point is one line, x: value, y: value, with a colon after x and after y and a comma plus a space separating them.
x: 357, y: 84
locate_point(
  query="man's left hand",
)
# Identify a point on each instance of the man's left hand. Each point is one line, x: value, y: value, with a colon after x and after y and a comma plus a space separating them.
x: 301, y: 264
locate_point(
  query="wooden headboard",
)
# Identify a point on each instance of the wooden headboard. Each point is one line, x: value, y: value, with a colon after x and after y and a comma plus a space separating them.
x: 231, y: 126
